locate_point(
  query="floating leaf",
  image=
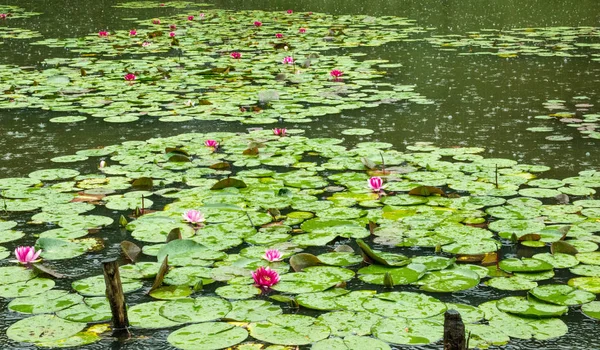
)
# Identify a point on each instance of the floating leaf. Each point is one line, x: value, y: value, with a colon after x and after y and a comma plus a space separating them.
x: 209, y: 336
x: 289, y: 330
x: 561, y: 294
x: 527, y: 307
x: 43, y: 328
x: 303, y: 260
x: 229, y: 182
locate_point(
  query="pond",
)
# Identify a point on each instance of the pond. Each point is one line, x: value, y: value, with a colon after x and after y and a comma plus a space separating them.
x: 451, y: 143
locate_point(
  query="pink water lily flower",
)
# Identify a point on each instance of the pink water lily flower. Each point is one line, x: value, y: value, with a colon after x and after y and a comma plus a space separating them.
x: 272, y: 255
x: 172, y: 26
x: 336, y: 73
x: 202, y: 15
x: 290, y: 12
x: 288, y: 60
x: 102, y: 164
x: 172, y: 34
x: 279, y: 35
x: 27, y: 255
x: 279, y: 132
x: 129, y: 77
x: 302, y: 30
x: 211, y: 143
x: 235, y: 55
x: 375, y: 183
x: 190, y: 18
x: 193, y: 216
x: 146, y: 43
x: 3, y: 15
x: 102, y: 33
x: 133, y: 32
x: 257, y: 23
x: 265, y: 278
x: 155, y: 21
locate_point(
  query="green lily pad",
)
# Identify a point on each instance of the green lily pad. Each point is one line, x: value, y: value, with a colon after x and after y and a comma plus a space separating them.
x: 524, y: 265
x: 289, y: 330
x: 347, y: 323
x: 360, y: 132
x: 171, y: 292
x: 252, y: 310
x: 449, y: 280
x: 58, y: 249
x: 313, y: 279
x: 53, y: 174
x: 558, y: 260
x: 586, y: 270
x: 340, y: 258
x: 526, y: 307
x: 511, y: 283
x: 592, y: 309
x: 408, y: 274
x: 484, y: 336
x: 321, y: 300
x: 209, y: 336
x: 591, y: 258
x: 69, y: 119
x: 43, y: 328
x: 238, y: 291
x: 352, y: 342
x: 527, y: 327
x: 589, y: 284
x: 404, y: 304
x: 91, y: 310
x: 95, y: 286
x: 561, y: 294
x: 14, y: 274
x: 48, y: 302
x: 404, y: 331
x: 26, y: 288
x: 147, y: 315
x: 196, y: 310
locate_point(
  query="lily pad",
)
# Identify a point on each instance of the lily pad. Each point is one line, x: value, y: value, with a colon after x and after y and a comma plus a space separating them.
x: 209, y: 336
x: 589, y: 284
x: 404, y: 304
x: 526, y: 307
x: 43, y: 328
x: 95, y: 286
x: 524, y: 265
x: 48, y: 302
x: 147, y: 315
x: 561, y: 294
x: 592, y: 309
x: 404, y: 331
x: 196, y: 310
x: 347, y: 323
x: 289, y: 330
x: 449, y: 280
x: 252, y: 310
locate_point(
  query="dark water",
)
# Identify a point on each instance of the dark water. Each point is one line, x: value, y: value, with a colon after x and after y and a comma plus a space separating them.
x: 479, y: 101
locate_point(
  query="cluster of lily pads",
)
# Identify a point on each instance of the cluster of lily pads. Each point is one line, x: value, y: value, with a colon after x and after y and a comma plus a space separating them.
x: 574, y: 114
x: 242, y: 236
x: 516, y: 42
x: 217, y: 66
x: 8, y: 13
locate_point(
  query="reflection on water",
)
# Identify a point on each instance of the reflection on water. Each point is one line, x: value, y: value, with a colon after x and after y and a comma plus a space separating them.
x: 484, y: 101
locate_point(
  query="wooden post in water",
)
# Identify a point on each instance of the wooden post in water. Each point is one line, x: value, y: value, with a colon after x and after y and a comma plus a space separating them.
x: 114, y: 293
x: 454, y: 331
